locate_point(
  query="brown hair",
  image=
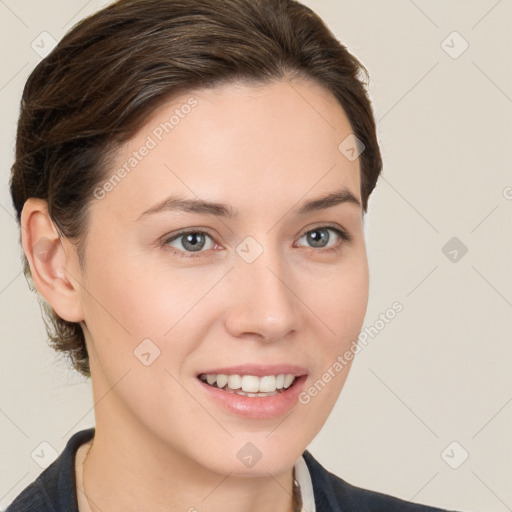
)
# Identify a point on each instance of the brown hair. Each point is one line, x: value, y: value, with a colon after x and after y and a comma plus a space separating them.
x: 97, y: 87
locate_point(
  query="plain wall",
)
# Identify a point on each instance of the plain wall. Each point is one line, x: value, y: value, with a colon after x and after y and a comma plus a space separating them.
x: 439, y: 371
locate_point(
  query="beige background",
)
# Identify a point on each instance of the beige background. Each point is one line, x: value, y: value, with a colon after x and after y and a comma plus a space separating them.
x: 439, y: 372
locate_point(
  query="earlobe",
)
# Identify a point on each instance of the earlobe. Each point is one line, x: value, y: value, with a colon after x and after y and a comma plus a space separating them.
x: 52, y: 260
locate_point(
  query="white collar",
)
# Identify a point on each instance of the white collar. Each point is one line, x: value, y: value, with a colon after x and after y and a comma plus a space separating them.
x: 306, y: 485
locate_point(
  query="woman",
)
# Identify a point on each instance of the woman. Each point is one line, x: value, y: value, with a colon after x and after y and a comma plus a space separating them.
x: 191, y: 179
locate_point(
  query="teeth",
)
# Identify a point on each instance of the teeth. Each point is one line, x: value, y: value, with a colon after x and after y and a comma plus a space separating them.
x: 234, y: 381
x: 267, y: 384
x: 288, y: 380
x: 250, y: 384
x: 222, y: 380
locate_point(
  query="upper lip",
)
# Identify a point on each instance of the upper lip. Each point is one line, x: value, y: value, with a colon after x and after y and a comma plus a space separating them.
x: 258, y: 370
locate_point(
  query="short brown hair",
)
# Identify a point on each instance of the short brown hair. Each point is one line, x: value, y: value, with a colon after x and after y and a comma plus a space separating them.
x: 97, y: 87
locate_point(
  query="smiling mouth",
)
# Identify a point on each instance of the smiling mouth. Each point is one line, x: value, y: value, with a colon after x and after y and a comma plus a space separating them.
x: 250, y: 385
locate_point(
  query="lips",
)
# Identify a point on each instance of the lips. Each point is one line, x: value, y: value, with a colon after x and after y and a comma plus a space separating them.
x: 254, y: 391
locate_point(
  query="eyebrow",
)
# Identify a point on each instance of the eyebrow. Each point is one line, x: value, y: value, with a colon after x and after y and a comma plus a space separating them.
x: 179, y: 203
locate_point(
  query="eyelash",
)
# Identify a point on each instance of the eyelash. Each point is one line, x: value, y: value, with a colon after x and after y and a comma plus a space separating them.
x: 344, y: 235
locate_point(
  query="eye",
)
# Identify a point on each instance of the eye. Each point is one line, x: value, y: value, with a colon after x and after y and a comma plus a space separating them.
x: 320, y: 237
x: 190, y: 242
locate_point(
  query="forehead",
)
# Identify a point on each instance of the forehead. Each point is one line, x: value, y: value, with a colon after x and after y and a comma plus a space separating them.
x: 240, y: 143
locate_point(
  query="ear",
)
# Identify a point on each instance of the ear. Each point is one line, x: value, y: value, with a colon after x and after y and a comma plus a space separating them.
x: 53, y: 261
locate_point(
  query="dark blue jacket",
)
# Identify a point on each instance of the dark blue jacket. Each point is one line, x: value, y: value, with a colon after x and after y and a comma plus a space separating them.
x: 54, y: 490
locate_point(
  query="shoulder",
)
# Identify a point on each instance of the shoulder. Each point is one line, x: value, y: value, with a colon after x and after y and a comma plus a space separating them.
x: 333, y: 494
x: 54, y: 490
x: 31, y: 498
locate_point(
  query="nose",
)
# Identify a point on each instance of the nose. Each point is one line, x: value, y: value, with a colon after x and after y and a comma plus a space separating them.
x: 264, y: 305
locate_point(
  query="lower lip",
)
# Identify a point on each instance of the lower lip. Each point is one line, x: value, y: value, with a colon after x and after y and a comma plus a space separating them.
x: 257, y: 407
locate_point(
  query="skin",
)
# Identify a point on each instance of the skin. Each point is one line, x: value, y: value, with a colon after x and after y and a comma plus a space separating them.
x: 161, y: 444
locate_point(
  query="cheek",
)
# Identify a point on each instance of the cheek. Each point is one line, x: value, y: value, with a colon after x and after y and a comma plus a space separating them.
x: 140, y: 328
x: 339, y: 306
x: 338, y: 303
x: 134, y: 310
x: 339, y: 298
x: 141, y: 301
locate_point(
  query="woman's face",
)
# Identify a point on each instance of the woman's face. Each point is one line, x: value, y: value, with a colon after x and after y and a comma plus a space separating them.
x: 263, y: 286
